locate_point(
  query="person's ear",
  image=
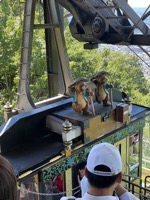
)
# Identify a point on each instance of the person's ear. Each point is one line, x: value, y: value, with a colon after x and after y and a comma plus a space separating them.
x: 86, y: 172
x: 119, y: 177
x: 118, y: 180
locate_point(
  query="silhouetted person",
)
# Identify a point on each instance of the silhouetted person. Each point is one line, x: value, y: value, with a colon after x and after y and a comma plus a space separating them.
x: 8, y: 183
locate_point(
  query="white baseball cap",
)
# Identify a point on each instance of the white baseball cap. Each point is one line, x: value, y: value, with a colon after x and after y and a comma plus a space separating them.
x: 104, y: 154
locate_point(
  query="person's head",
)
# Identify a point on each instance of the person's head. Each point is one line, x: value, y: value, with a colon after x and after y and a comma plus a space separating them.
x: 81, y: 168
x: 104, y: 166
x: 8, y: 183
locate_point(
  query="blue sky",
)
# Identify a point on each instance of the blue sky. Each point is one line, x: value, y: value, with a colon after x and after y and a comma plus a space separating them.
x: 139, y: 3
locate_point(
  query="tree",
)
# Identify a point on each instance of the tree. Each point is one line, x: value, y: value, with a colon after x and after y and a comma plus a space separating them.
x: 10, y: 34
x: 11, y: 13
x: 126, y: 71
x: 38, y: 72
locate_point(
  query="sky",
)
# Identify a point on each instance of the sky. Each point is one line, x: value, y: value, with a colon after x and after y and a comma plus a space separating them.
x: 139, y: 3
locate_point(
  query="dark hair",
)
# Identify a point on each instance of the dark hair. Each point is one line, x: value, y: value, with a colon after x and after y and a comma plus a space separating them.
x: 101, y: 181
x: 8, y: 183
x: 81, y: 165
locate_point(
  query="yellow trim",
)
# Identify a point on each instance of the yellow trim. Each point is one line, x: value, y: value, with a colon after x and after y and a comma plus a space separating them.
x: 25, y: 174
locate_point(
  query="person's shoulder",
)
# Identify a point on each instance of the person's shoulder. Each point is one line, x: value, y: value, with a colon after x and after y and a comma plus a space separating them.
x: 128, y: 196
x: 84, y: 179
x: 70, y: 198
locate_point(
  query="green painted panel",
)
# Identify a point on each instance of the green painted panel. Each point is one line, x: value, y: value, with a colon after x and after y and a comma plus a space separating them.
x: 75, y: 158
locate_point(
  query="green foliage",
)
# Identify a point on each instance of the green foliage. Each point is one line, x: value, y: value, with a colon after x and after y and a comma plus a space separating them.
x: 10, y: 34
x: 38, y: 72
x: 11, y: 16
x: 125, y: 72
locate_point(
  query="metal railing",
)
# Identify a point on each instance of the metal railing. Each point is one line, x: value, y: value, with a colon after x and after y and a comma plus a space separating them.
x: 140, y: 190
x: 129, y: 182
